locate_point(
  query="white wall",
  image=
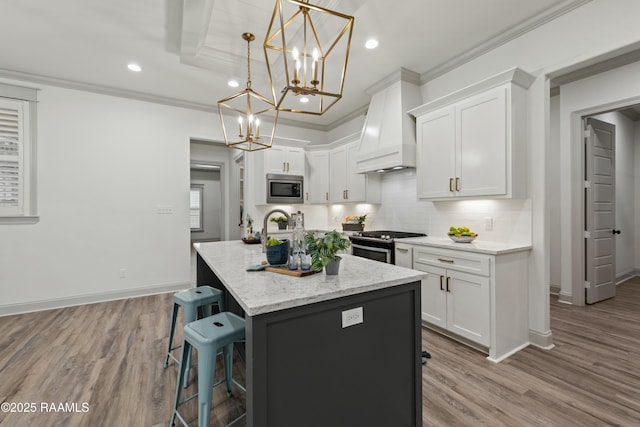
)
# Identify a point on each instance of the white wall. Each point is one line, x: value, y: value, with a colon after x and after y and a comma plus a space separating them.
x: 104, y: 166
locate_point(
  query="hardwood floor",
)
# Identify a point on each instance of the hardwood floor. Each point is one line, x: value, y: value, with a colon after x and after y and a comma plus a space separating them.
x: 111, y: 357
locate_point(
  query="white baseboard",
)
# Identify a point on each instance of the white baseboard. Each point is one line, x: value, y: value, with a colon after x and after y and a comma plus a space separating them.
x: 554, y: 289
x: 627, y: 275
x: 565, y: 298
x: 507, y: 354
x: 29, y: 307
x: 543, y: 340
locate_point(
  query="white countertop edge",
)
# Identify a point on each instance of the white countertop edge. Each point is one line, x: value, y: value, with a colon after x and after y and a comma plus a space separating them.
x: 268, y: 308
x: 477, y: 246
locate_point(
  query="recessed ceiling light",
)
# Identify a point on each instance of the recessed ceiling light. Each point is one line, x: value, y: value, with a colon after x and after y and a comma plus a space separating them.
x: 134, y: 67
x: 304, y: 99
x: 233, y: 83
x: 371, y: 44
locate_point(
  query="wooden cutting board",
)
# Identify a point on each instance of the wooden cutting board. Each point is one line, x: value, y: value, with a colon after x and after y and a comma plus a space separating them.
x: 295, y: 273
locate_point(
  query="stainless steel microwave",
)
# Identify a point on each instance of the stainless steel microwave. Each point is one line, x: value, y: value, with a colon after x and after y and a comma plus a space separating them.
x: 285, y: 189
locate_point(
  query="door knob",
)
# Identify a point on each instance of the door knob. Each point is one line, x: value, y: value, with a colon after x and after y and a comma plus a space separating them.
x: 616, y: 231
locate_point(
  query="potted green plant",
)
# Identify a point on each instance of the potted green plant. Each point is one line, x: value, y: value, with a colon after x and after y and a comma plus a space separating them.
x: 354, y: 222
x: 324, y: 250
x: 281, y: 221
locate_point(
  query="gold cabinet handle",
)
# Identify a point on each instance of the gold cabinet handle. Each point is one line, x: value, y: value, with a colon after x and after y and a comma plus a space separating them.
x: 451, y: 184
x: 307, y: 196
x: 457, y: 184
x: 326, y: 195
x: 403, y: 250
x: 287, y: 166
x: 347, y: 193
x: 448, y: 279
x: 441, y: 277
x: 450, y: 261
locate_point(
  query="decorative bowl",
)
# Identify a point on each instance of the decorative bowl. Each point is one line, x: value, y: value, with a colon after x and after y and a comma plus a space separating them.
x: 462, y: 239
x: 253, y: 241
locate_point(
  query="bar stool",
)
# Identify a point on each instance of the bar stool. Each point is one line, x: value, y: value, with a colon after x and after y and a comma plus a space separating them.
x: 207, y: 336
x: 190, y: 300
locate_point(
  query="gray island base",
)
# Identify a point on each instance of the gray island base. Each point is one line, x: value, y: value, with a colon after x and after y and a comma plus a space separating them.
x: 304, y: 365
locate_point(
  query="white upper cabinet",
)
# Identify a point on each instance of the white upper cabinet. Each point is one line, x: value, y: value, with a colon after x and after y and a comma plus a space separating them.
x: 317, y: 182
x: 472, y: 143
x: 284, y: 160
x: 347, y: 186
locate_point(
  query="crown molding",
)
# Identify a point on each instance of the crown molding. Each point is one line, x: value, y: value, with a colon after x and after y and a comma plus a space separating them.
x: 401, y: 74
x: 105, y: 90
x: 507, y: 36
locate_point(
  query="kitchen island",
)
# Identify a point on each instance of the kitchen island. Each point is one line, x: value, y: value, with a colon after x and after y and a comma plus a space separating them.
x: 305, y: 366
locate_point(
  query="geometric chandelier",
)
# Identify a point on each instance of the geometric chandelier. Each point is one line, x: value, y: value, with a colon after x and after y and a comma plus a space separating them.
x: 307, y: 50
x: 248, y: 118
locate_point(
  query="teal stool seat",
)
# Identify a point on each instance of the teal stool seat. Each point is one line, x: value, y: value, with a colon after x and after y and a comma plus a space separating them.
x: 207, y: 336
x: 190, y: 300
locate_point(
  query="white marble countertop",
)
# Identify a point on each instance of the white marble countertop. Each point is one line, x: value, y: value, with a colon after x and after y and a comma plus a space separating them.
x: 478, y: 245
x: 260, y: 292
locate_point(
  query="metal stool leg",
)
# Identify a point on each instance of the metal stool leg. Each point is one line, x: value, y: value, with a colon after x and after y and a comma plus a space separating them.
x: 186, y: 347
x: 206, y: 375
x: 171, y: 332
x: 190, y: 314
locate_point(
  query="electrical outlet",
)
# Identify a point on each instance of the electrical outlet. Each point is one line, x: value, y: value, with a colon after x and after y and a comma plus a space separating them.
x: 352, y: 317
x: 164, y: 210
x: 123, y: 273
x: 488, y: 224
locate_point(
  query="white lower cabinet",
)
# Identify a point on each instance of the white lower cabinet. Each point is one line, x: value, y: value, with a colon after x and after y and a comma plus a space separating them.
x: 453, y: 300
x: 478, y: 299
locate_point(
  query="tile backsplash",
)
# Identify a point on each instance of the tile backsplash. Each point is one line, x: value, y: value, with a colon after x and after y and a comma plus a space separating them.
x: 401, y: 210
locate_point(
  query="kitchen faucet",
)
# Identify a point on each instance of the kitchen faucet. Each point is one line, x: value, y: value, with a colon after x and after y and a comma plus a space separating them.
x: 265, y: 236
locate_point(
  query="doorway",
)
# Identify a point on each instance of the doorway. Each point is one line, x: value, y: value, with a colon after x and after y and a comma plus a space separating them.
x: 206, y: 202
x: 612, y: 141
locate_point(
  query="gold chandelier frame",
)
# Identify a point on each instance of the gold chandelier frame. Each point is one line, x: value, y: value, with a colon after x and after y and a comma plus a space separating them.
x: 306, y: 84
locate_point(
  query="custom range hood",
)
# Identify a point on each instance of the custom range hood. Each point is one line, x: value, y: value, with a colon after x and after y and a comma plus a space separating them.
x: 388, y: 139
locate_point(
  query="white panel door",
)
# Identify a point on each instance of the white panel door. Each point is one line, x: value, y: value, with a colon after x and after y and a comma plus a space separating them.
x: 481, y: 145
x: 600, y: 211
x: 468, y: 306
x: 436, y: 151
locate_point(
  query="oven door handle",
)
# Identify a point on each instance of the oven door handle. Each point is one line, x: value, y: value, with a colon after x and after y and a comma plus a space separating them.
x: 371, y: 248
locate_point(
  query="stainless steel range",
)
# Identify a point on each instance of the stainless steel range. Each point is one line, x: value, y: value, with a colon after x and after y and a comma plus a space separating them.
x: 378, y: 245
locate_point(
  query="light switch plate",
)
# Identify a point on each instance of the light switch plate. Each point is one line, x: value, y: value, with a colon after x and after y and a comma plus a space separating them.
x: 352, y: 317
x: 488, y: 223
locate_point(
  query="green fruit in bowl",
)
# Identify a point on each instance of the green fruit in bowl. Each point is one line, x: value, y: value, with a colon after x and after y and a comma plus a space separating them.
x: 461, y: 231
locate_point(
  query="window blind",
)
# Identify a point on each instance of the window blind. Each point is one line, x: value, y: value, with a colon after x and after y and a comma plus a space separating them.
x: 11, y: 156
x: 196, y: 208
